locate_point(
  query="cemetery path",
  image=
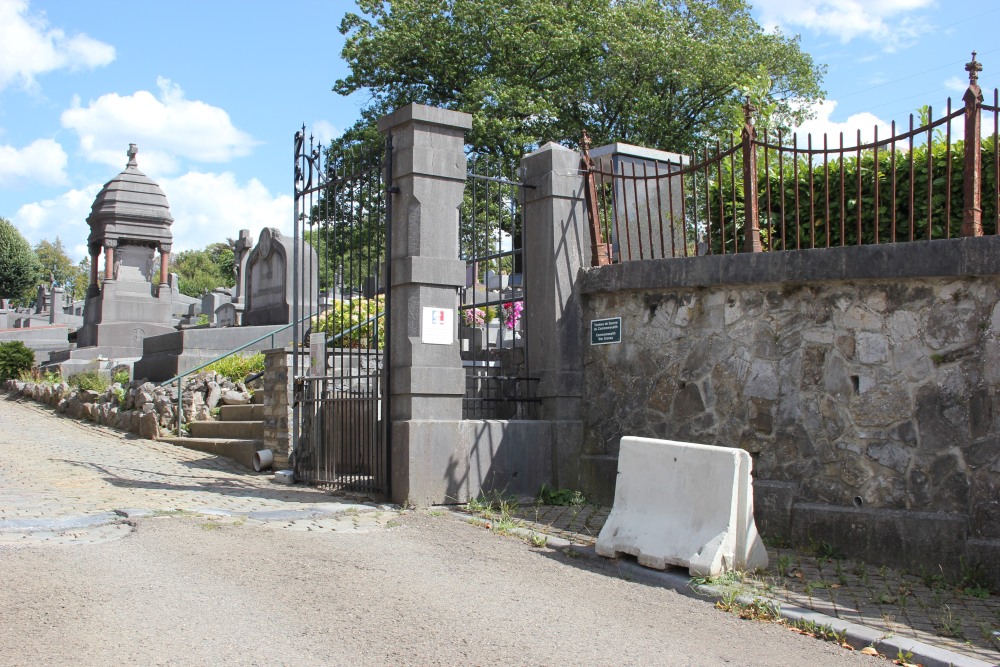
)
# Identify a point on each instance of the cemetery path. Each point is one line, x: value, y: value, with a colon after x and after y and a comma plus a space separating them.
x: 233, y: 581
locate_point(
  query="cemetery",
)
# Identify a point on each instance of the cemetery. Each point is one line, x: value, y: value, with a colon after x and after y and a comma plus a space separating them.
x: 491, y: 341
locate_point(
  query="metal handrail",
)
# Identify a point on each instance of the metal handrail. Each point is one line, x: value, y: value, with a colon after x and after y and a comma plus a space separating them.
x: 178, y: 378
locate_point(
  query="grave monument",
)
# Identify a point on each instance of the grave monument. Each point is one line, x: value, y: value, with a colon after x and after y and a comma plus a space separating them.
x: 130, y: 222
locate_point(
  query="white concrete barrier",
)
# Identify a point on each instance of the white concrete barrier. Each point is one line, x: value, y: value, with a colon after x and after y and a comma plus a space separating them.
x: 679, y: 503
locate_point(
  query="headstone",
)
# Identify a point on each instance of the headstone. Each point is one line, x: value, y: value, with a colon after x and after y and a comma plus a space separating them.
x: 211, y: 302
x: 241, y: 252
x: 271, y: 282
x: 42, y: 300
x: 228, y: 315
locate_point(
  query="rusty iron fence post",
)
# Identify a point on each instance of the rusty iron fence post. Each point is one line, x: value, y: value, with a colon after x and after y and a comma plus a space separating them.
x: 599, y: 249
x: 972, y: 215
x: 751, y: 242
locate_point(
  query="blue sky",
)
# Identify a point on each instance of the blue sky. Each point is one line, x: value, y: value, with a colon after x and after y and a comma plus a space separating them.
x: 213, y: 92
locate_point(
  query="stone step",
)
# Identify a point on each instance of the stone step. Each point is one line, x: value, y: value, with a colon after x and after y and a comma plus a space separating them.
x: 239, y: 430
x: 240, y: 450
x: 241, y: 413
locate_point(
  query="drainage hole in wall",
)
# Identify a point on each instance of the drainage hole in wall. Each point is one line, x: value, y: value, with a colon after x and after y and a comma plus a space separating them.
x: 856, y: 383
x: 858, y: 501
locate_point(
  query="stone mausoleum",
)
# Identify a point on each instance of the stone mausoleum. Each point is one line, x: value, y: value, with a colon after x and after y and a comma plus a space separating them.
x: 130, y: 222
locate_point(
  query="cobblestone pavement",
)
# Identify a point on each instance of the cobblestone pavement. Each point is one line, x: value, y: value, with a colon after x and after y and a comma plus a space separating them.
x: 897, y: 603
x: 66, y: 481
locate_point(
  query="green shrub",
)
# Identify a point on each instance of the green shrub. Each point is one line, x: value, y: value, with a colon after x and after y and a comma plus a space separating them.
x: 89, y: 380
x: 238, y: 367
x: 348, y: 314
x: 120, y: 376
x: 15, y: 358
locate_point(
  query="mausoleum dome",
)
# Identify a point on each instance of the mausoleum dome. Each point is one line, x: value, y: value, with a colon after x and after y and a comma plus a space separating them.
x: 130, y: 208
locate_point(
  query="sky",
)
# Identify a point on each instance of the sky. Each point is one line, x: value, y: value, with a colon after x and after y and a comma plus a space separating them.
x: 213, y: 93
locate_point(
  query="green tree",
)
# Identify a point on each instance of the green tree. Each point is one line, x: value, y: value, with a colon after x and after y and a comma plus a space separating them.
x: 19, y: 267
x: 203, y: 270
x: 660, y: 73
x: 58, y: 265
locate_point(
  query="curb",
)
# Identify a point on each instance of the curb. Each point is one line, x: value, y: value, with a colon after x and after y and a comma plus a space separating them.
x: 858, y: 636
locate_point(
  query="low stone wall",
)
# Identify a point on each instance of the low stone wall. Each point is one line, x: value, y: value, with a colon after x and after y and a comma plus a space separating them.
x: 145, y: 409
x: 862, y: 380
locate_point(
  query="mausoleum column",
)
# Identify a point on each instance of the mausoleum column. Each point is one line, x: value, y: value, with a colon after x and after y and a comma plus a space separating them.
x: 109, y: 258
x: 95, y: 253
x: 164, y: 263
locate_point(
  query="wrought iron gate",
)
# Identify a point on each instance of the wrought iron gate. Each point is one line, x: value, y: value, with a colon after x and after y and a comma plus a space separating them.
x: 340, y: 355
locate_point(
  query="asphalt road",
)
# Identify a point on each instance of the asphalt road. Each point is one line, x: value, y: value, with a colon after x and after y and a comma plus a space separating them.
x: 349, y: 586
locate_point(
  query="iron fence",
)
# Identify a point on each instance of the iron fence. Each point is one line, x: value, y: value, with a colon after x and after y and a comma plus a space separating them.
x: 919, y: 182
x: 493, y: 310
x: 341, y: 395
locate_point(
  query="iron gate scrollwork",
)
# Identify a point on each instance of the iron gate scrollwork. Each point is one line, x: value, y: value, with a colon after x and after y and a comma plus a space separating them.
x: 340, y: 415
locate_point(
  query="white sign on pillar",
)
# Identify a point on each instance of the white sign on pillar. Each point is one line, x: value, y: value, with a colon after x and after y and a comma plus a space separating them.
x: 437, y: 326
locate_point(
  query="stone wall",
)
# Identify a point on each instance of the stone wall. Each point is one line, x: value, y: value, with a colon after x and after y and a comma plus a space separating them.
x: 278, y: 405
x: 140, y: 407
x: 866, y: 392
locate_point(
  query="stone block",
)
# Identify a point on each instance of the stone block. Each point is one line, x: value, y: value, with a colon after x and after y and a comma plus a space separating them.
x: 680, y: 503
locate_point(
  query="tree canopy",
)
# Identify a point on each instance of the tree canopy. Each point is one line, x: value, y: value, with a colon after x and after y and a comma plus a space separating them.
x: 659, y: 73
x: 19, y: 267
x: 201, y: 271
x: 54, y: 259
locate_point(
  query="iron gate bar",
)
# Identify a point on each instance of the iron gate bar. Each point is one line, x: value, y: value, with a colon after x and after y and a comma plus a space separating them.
x: 341, y: 418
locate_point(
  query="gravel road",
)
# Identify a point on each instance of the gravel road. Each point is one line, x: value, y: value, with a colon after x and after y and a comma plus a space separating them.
x: 425, y: 589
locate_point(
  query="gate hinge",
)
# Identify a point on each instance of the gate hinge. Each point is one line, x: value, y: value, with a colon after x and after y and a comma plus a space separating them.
x: 393, y: 189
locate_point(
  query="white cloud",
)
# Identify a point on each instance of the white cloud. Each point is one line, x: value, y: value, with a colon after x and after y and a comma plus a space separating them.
x: 324, y: 132
x: 209, y: 208
x: 29, y: 47
x: 889, y: 22
x: 65, y: 217
x: 166, y: 128
x: 821, y: 123
x: 41, y: 161
x: 957, y: 84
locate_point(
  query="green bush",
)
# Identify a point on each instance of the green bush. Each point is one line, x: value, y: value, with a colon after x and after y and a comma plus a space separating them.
x: 15, y: 358
x: 348, y: 314
x: 238, y: 367
x: 120, y: 376
x: 89, y: 380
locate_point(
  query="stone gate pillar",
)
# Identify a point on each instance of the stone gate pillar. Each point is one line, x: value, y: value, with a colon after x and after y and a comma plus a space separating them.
x: 558, y: 242
x: 426, y: 379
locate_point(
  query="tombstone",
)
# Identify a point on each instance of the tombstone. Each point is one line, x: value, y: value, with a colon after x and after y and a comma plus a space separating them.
x: 211, y: 302
x: 270, y: 280
x: 228, y: 315
x: 56, y: 312
x: 647, y: 195
x: 241, y: 253
x: 42, y: 300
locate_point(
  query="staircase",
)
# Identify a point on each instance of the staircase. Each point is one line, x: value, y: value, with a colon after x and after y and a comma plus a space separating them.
x: 238, y: 433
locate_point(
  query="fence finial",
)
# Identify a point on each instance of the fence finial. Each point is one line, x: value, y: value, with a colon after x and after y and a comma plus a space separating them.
x: 973, y: 68
x: 748, y: 110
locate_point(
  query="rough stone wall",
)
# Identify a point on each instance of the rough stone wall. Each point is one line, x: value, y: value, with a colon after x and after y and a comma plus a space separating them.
x: 865, y: 380
x: 139, y: 407
x: 867, y: 393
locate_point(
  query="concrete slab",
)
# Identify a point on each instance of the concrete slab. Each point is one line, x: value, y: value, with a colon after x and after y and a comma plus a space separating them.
x: 681, y: 503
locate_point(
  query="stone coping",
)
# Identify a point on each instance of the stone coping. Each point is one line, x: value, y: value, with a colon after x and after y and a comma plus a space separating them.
x: 943, y: 257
